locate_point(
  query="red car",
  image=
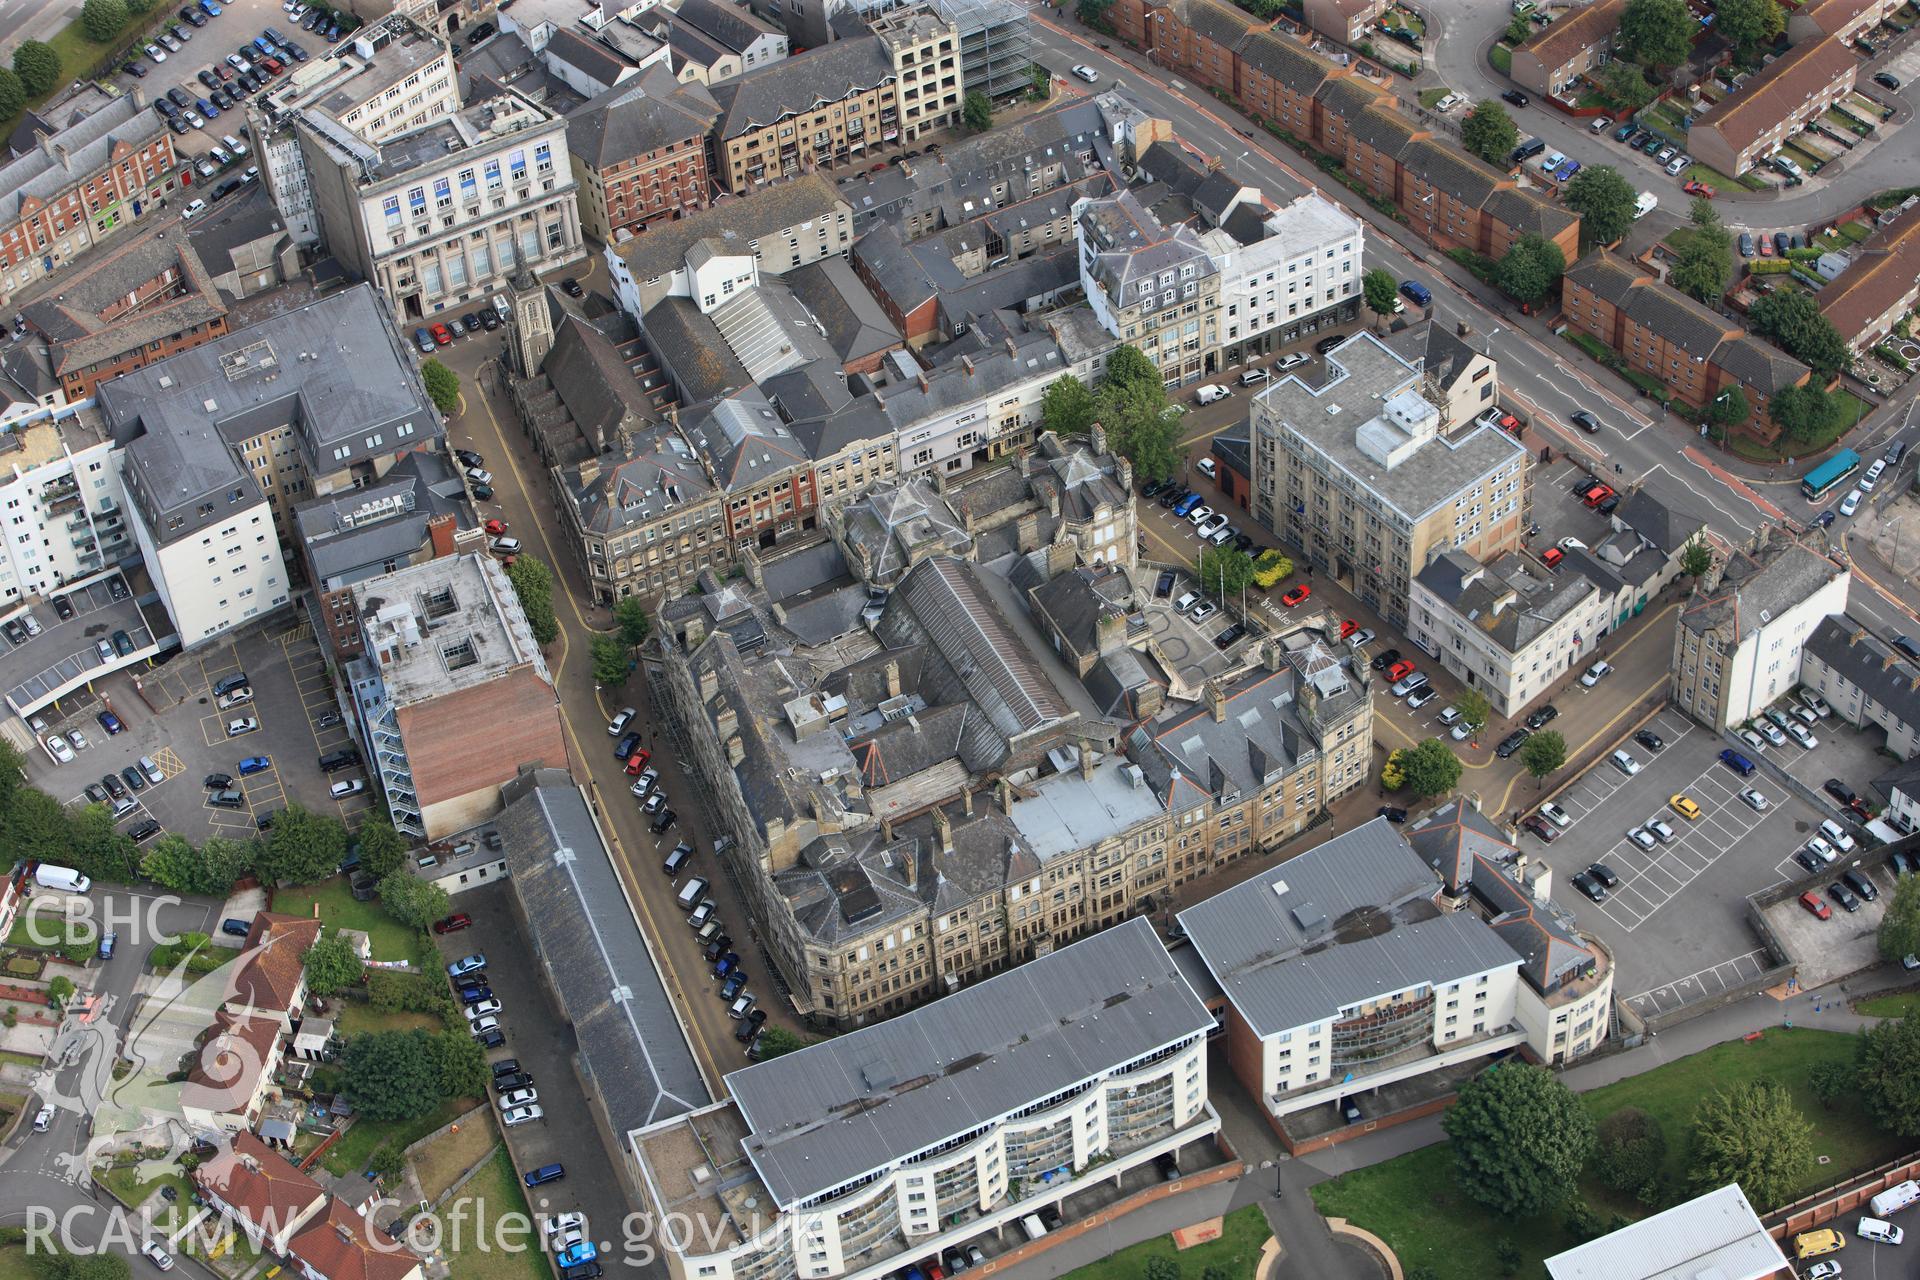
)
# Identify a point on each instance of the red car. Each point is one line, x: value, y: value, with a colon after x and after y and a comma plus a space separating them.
x: 1816, y: 904
x: 1296, y: 595
x: 441, y: 335
x: 1701, y: 189
x: 638, y: 761
x: 453, y: 923
x: 1552, y: 557
x: 1348, y: 627
x: 1399, y: 671
x: 496, y: 526
x: 1766, y: 246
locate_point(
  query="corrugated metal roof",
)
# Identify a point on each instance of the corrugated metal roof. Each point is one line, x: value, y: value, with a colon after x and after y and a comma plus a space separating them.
x: 847, y: 1107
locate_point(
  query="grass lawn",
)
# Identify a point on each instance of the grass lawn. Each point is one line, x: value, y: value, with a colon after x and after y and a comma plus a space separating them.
x: 51, y: 931
x: 1430, y: 97
x: 1412, y: 1204
x: 357, y: 1145
x: 122, y: 1182
x: 474, y: 1254
x: 14, y: 1264
x: 1237, y: 1250
x: 1855, y: 231
x: 439, y: 1165
x: 1589, y: 344
x: 391, y: 939
x: 357, y: 1017
x: 20, y: 1059
x: 1502, y: 59
x: 1894, y: 1006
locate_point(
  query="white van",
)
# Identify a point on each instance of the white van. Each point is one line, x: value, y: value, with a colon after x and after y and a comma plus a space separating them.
x: 1032, y: 1225
x: 1211, y: 392
x: 1881, y: 1232
x: 43, y: 1121
x: 1895, y: 1198
x: 500, y: 305
x: 691, y: 892
x: 1645, y: 205
x: 66, y: 879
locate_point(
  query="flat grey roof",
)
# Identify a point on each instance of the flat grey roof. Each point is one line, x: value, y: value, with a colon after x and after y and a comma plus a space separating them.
x: 632, y: 1045
x: 1716, y: 1235
x: 846, y: 1107
x: 1349, y: 921
x: 65, y: 654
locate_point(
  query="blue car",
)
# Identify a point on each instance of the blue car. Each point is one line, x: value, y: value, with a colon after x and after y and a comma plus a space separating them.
x: 469, y: 964
x: 544, y: 1174
x: 582, y: 1252
x: 1416, y: 292
x: 1567, y: 170
x: 1187, y: 504
x: 111, y: 723
x: 209, y: 8
x: 255, y: 764
x: 207, y: 108
x: 726, y: 964
x: 474, y: 995
x: 106, y: 945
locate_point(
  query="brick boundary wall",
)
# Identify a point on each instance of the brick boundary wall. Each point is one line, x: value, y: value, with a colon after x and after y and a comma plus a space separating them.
x: 1824, y: 1206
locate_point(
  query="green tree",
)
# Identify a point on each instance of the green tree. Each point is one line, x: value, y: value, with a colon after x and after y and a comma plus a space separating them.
x: 1696, y: 558
x: 302, y: 846
x: 976, y: 111
x: 1531, y: 268
x: 1750, y: 23
x: 1093, y: 13
x: 1830, y: 1082
x: 1519, y: 30
x: 1042, y: 81
x: 1656, y: 33
x: 1900, y: 925
x: 210, y: 869
x: 38, y: 67
x: 382, y: 849
x: 1224, y: 571
x: 60, y: 988
x: 1161, y: 1268
x: 1605, y: 202
x: 34, y: 825
x: 1508, y: 1257
x: 463, y: 1065
x: 392, y: 1075
x: 1138, y: 426
x: 1473, y: 708
x: 1704, y: 264
x: 1626, y: 85
x: 630, y: 615
x: 1520, y: 1138
x: 776, y: 1041
x: 1380, y: 290
x: 1541, y: 754
x: 1127, y: 366
x: 1067, y: 408
x: 1791, y: 317
x: 411, y: 900
x: 1805, y: 412
x: 388, y: 1159
x: 1752, y: 1134
x: 1886, y: 1072
x: 98, y: 848
x: 102, y: 19
x: 1629, y: 1149
x: 1729, y: 408
x: 442, y: 383
x: 332, y: 966
x: 533, y: 584
x: 1430, y: 769
x: 1489, y: 132
x: 13, y: 94
x: 50, y: 1263
x: 609, y: 660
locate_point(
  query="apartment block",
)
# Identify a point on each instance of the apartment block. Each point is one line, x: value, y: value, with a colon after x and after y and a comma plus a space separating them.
x: 1468, y: 967
x: 1691, y: 348
x: 66, y: 508
x: 1868, y: 682
x: 78, y: 185
x: 393, y: 77
x: 1152, y: 286
x: 446, y: 648
x: 924, y: 47
x: 1080, y: 1066
x: 223, y: 441
x: 1738, y: 643
x: 1507, y: 628
x: 709, y: 41
x: 1576, y: 44
x: 639, y: 154
x: 1775, y: 103
x: 1360, y: 474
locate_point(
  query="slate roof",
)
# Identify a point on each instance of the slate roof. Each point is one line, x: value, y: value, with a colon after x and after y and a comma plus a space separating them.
x: 1885, y: 270
x: 734, y: 27
x: 828, y: 73
x: 1692, y: 326
x: 1868, y: 663
x: 1129, y: 244
x: 1075, y: 603
x: 1349, y: 921
x: 1437, y: 349
x: 837, y: 1110
x: 1220, y: 23
x: 836, y: 296
x: 590, y: 56
x: 734, y: 223
x: 40, y: 174
x: 741, y: 439
x: 646, y: 113
x: 422, y: 485
x: 1790, y: 574
x: 593, y: 381
x: 632, y: 1048
x: 1287, y: 61
x: 71, y: 316
x: 1506, y: 600
x: 1449, y: 838
x: 1563, y: 39
x: 891, y: 520
x: 1660, y: 522
x: 658, y: 474
x: 691, y: 351
x: 887, y: 260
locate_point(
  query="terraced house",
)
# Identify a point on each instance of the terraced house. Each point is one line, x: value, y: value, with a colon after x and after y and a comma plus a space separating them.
x: 79, y: 186
x: 1576, y: 45
x: 1349, y: 113
x: 1694, y: 351
x: 1776, y: 102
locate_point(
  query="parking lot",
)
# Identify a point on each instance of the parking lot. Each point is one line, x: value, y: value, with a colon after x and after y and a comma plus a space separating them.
x: 1186, y: 645
x: 68, y: 650
x: 1676, y: 920
x: 544, y: 1046
x: 171, y: 716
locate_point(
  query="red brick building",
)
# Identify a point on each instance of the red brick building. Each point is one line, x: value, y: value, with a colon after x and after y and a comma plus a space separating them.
x: 639, y: 153
x: 1455, y: 200
x: 1692, y: 349
x: 79, y: 186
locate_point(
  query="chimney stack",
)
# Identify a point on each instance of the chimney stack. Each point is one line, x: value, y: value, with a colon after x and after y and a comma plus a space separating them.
x: 942, y: 833
x: 1216, y: 701
x: 1004, y: 792
x: 893, y: 677
x: 1086, y: 760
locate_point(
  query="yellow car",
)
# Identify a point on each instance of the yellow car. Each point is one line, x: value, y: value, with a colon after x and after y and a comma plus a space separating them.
x: 1811, y: 1243
x: 1685, y: 807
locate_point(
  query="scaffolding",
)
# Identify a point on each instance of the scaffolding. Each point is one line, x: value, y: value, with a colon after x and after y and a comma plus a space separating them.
x: 996, y: 44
